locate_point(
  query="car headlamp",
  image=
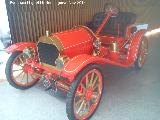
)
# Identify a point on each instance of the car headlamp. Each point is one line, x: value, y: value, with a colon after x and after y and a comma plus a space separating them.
x: 29, y: 52
x: 60, y: 61
x: 97, y: 43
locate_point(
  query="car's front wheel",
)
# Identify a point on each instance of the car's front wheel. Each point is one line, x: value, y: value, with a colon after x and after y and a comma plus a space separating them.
x: 85, y: 93
x: 17, y: 72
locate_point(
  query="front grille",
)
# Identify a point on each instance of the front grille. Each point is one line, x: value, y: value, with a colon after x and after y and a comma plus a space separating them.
x: 48, y: 53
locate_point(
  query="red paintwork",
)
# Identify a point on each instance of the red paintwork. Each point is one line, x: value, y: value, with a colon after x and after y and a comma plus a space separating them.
x: 20, y: 46
x: 72, y: 67
x: 89, y: 94
x: 75, y: 65
x: 114, y: 56
x: 129, y: 31
x: 75, y: 41
x: 109, y: 39
x: 78, y: 46
x: 133, y: 47
x: 28, y: 69
x: 34, y: 63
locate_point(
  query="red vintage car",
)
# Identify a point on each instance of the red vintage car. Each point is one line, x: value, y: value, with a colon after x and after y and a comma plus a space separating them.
x: 71, y: 61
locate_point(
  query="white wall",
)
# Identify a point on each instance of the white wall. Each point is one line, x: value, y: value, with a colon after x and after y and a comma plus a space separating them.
x: 4, y: 25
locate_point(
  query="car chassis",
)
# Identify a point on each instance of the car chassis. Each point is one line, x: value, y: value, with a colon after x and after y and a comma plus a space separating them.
x: 71, y: 61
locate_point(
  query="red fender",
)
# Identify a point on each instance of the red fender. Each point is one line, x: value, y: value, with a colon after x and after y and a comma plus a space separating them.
x: 134, y: 46
x: 20, y: 46
x: 76, y: 64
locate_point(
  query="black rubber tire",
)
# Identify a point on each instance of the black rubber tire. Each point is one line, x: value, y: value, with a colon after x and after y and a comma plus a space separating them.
x: 73, y: 87
x: 137, y: 64
x: 8, y: 72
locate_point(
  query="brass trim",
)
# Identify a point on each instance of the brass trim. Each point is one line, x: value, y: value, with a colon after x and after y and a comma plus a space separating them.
x: 62, y: 59
x: 88, y: 29
x: 114, y: 47
x: 96, y: 52
x: 53, y: 41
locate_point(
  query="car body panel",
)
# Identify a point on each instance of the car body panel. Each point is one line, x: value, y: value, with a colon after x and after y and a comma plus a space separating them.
x: 75, y: 41
x: 134, y: 46
x: 20, y: 46
x: 76, y: 64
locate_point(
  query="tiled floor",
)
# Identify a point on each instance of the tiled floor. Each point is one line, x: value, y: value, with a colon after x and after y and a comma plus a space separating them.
x: 128, y: 95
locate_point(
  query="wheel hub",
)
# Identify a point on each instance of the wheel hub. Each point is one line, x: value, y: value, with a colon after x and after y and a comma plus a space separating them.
x: 28, y: 69
x: 89, y: 94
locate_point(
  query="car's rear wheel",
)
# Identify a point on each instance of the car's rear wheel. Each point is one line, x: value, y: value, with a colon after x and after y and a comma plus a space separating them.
x: 16, y: 72
x: 142, y: 53
x: 85, y: 93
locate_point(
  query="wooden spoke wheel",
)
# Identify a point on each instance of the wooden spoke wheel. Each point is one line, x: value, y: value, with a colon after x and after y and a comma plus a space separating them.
x: 142, y: 53
x: 85, y: 93
x: 17, y: 72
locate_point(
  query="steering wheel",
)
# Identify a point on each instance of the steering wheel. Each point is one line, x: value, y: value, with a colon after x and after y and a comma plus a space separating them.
x: 108, y: 8
x: 99, y: 17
